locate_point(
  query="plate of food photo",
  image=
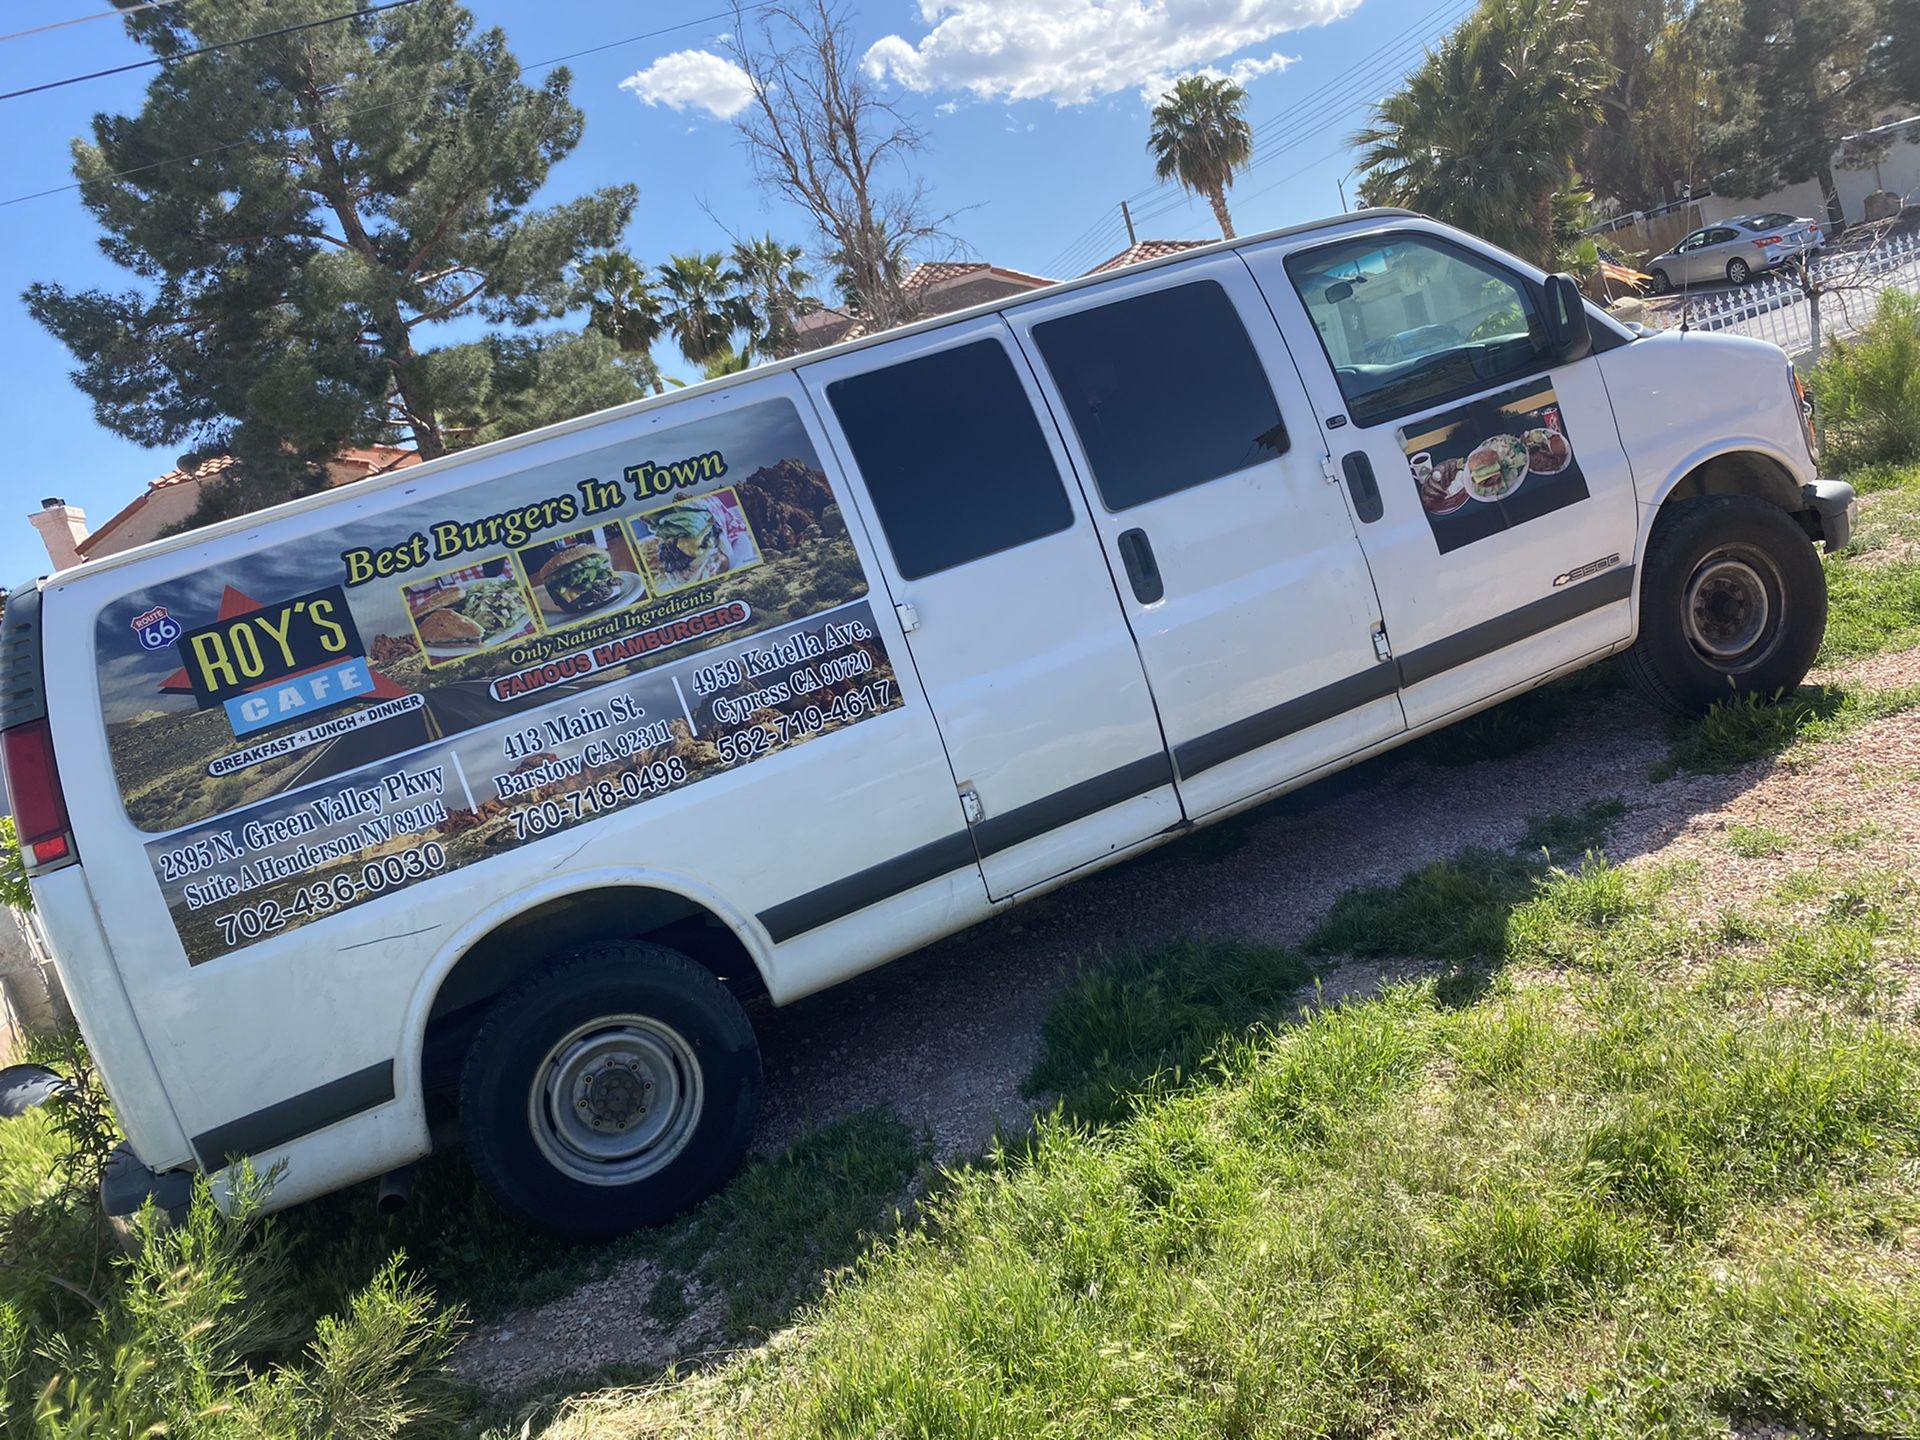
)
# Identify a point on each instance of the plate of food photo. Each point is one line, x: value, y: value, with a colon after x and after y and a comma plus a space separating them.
x: 1548, y: 452
x: 462, y: 618
x: 1496, y: 467
x: 1443, y: 489
x: 578, y: 577
x: 695, y: 540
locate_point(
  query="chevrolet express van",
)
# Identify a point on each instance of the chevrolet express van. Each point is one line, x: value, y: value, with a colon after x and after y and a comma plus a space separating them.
x: 474, y: 799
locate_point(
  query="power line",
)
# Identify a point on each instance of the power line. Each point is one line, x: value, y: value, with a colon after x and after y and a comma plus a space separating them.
x: 546, y: 64
x: 208, y: 49
x: 96, y: 15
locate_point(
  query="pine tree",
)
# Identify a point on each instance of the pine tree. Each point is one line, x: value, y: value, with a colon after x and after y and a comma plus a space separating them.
x: 1798, y: 77
x: 300, y: 212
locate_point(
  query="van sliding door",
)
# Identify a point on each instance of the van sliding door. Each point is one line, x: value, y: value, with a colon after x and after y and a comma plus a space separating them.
x: 1008, y: 607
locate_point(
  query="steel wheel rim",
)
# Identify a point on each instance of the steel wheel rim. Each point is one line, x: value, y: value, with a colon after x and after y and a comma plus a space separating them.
x: 1729, y: 612
x: 616, y: 1100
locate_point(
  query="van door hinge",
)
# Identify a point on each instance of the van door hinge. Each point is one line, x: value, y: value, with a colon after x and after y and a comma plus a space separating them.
x: 970, y: 805
x: 1329, y: 469
x: 909, y: 617
x: 1382, y: 650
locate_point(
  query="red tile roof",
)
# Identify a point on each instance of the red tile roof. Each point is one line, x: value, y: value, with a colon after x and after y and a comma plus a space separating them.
x: 1147, y: 250
x: 368, y: 459
x: 939, y: 272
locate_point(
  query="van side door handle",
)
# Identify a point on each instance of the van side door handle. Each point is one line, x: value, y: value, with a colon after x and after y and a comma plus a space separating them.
x: 1362, y: 486
x: 1142, y: 572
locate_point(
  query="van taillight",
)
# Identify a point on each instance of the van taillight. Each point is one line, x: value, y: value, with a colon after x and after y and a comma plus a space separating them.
x: 33, y: 784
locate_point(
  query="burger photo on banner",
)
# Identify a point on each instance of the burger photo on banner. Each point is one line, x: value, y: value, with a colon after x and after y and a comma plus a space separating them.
x: 1495, y: 463
x: 693, y: 541
x: 582, y: 575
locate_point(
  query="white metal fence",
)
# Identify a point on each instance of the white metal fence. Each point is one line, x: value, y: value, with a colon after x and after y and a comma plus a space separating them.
x: 1775, y: 307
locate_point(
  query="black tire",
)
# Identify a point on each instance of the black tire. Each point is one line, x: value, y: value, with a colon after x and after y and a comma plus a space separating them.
x: 653, y: 1028
x: 27, y: 1087
x: 1738, y: 271
x: 1733, y: 602
x: 1661, y: 284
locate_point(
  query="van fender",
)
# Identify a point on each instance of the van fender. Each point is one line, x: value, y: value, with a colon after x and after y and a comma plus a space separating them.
x: 1720, y: 446
x: 412, y: 1046
x: 1715, y: 449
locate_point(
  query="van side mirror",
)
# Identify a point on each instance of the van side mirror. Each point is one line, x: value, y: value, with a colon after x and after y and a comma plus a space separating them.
x: 1569, y: 336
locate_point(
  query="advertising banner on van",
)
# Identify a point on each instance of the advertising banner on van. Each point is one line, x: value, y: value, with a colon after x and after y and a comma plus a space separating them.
x: 1493, y: 464
x: 318, y: 723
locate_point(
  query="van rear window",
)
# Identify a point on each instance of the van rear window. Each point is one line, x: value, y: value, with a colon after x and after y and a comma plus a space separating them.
x: 953, y: 456
x: 308, y: 725
x: 1165, y: 391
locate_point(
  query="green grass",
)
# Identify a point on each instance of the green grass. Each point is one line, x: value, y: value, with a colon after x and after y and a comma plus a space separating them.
x: 1739, y: 732
x: 1620, y: 1206
x: 766, y: 1241
x: 1756, y: 842
x: 1459, y: 911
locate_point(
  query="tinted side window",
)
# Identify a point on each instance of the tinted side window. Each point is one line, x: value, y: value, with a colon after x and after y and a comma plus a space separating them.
x: 952, y: 455
x: 1165, y: 391
x: 1408, y: 322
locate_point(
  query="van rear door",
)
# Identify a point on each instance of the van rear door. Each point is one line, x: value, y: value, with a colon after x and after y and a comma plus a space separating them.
x: 1009, y: 610
x: 1240, y: 571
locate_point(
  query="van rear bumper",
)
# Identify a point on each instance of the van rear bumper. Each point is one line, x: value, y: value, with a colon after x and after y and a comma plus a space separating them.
x: 126, y: 1185
x: 1836, y: 507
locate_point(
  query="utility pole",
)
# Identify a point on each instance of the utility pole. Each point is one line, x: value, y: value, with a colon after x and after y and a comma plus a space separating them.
x: 1127, y: 215
x: 1339, y: 183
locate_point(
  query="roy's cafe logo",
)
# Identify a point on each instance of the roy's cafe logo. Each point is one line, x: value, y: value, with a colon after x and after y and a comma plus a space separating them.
x: 267, y: 663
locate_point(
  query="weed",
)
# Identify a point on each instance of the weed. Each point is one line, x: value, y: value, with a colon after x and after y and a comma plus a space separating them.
x: 1738, y: 732
x: 1157, y: 1013
x: 1756, y: 842
x: 1868, y: 389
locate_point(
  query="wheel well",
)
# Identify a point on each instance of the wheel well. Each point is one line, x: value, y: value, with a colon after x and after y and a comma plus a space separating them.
x: 1741, y: 472
x: 536, y: 937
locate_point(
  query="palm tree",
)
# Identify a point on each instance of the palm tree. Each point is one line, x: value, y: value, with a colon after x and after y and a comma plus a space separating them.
x: 1486, y: 132
x: 621, y: 303
x: 1200, y: 137
x: 701, y: 309
x: 772, y: 286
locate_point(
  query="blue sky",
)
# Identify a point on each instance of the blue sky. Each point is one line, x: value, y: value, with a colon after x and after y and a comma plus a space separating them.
x: 1035, y: 113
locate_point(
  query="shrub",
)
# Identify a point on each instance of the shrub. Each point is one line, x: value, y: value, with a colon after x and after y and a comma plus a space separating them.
x: 1868, y: 389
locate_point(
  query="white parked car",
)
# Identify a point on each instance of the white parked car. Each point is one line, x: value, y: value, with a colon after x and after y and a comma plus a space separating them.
x: 482, y: 794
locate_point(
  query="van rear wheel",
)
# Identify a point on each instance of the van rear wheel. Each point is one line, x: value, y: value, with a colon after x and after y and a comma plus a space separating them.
x: 611, y: 1091
x: 1733, y: 602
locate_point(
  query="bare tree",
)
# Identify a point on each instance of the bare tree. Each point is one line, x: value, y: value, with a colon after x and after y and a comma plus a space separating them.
x: 822, y: 137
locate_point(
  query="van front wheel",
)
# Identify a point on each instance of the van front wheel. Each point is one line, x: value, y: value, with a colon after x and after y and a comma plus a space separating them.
x: 610, y: 1092
x: 1733, y: 602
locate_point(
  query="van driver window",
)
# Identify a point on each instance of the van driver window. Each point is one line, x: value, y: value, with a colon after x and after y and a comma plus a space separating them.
x: 1409, y: 322
x: 953, y: 456
x: 1164, y: 390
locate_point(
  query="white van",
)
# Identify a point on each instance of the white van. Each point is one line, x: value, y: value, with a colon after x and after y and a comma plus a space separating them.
x: 486, y: 791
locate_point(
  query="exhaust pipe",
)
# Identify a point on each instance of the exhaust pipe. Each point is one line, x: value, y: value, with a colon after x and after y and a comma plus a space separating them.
x: 396, y: 1189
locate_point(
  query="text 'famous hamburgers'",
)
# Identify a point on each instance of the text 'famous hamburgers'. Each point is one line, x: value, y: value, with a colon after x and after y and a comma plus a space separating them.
x: 578, y: 578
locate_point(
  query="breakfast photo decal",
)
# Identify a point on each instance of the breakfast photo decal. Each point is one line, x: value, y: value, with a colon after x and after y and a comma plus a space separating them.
x: 579, y: 576
x: 469, y: 610
x: 1488, y: 466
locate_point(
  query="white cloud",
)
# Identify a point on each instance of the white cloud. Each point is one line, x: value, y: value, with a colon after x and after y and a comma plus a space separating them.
x: 1073, y: 51
x: 693, y: 80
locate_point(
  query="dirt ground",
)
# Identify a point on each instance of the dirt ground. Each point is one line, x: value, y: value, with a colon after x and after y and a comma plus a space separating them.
x: 944, y: 1038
